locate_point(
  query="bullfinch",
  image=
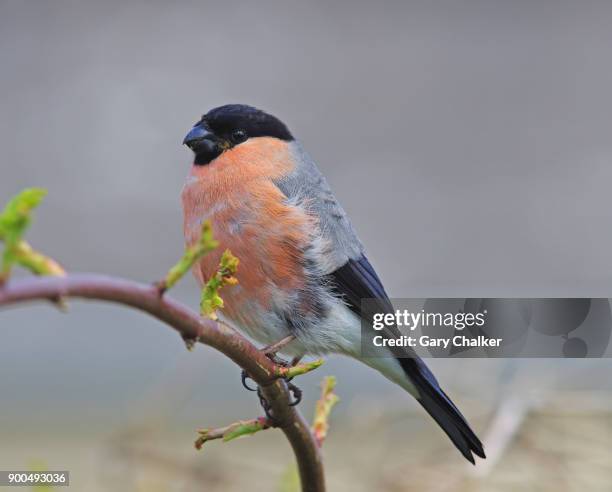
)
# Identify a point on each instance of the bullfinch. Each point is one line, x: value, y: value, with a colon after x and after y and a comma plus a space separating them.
x: 303, y: 269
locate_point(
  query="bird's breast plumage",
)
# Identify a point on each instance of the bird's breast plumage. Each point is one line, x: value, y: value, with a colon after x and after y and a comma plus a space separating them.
x: 253, y: 218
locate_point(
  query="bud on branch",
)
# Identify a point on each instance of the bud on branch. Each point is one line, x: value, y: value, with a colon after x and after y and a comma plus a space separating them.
x: 192, y: 254
x: 14, y: 222
x: 211, y: 300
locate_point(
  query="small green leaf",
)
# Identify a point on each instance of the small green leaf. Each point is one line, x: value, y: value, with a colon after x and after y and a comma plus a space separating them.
x: 205, y: 244
x: 245, y: 428
x: 14, y: 221
x: 232, y: 431
x: 210, y: 299
x: 16, y: 216
x: 298, y: 369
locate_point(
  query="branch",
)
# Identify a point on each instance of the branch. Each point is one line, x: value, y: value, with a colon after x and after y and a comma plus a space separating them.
x: 325, y: 404
x: 233, y: 431
x: 191, y: 327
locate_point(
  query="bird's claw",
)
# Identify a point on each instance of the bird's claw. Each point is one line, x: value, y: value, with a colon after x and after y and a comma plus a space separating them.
x: 244, y: 377
x: 265, y: 405
x: 296, y: 393
x: 267, y: 408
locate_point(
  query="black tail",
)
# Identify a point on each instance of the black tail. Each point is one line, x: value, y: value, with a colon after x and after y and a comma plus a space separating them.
x: 441, y: 408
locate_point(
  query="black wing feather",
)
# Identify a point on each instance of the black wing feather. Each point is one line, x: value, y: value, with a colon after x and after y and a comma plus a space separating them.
x: 357, y: 280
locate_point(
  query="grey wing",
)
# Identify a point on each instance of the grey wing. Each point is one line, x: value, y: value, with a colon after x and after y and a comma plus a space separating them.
x: 341, y: 259
x: 309, y: 188
x: 353, y: 278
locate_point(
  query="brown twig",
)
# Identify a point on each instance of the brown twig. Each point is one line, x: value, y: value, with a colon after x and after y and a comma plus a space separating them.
x: 191, y: 327
x: 325, y: 404
x: 233, y: 431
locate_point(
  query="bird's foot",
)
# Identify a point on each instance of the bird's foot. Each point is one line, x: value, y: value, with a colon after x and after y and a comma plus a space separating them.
x: 296, y: 394
x: 295, y: 391
x: 244, y: 376
x: 271, y: 352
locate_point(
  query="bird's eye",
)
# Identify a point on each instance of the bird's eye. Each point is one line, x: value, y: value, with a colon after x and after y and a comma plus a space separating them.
x: 239, y: 136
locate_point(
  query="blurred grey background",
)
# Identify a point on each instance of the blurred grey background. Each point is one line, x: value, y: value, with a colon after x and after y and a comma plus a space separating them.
x: 470, y: 143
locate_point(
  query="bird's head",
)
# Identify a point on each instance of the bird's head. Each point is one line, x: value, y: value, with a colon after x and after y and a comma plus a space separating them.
x: 226, y: 127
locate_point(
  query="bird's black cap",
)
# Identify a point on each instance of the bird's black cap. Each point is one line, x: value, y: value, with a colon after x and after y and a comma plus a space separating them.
x: 227, y: 126
x: 254, y: 122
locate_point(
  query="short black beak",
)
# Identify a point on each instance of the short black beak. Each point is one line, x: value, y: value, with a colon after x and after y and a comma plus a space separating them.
x: 195, y: 135
x: 205, y: 145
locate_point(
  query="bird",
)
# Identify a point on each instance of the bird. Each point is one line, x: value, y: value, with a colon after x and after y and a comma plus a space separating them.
x: 303, y: 269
